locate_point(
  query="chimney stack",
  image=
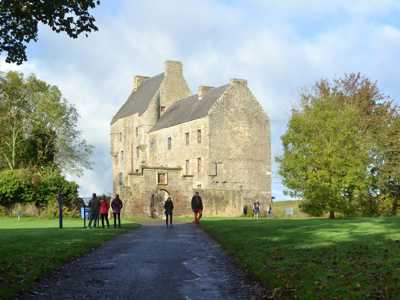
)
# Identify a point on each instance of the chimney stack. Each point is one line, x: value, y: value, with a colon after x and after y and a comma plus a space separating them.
x: 202, y: 90
x: 138, y: 80
x: 237, y: 81
x: 173, y: 67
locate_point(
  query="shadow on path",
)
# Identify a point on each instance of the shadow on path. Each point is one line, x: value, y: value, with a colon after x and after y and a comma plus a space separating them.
x: 153, y: 262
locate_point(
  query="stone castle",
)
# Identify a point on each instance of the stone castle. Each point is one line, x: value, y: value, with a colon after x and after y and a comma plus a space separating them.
x: 166, y: 141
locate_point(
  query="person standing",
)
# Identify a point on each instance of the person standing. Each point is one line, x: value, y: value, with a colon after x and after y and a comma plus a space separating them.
x: 94, y: 206
x: 104, y: 207
x: 256, y: 210
x: 169, y: 207
x: 197, y: 207
x: 116, y: 206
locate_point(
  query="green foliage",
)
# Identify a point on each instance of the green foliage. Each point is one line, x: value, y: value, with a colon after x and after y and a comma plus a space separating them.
x: 38, y: 127
x: 19, y: 22
x: 334, y: 156
x: 23, y: 186
x: 15, y: 187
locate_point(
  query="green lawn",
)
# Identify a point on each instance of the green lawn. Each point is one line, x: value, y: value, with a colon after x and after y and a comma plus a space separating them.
x: 316, y: 258
x: 32, y: 248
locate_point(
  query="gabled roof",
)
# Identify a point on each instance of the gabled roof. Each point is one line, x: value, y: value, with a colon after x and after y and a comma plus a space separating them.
x: 189, y: 109
x: 139, y: 100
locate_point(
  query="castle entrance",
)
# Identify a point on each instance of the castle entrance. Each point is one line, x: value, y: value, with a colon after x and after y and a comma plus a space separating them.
x: 157, y: 203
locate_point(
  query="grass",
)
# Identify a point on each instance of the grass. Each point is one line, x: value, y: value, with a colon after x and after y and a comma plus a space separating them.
x: 32, y: 248
x: 316, y: 258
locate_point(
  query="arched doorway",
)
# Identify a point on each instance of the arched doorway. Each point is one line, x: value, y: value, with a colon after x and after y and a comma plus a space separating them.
x: 157, y: 202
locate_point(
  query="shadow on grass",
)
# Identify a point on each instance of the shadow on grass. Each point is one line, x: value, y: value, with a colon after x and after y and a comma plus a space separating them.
x: 317, y: 258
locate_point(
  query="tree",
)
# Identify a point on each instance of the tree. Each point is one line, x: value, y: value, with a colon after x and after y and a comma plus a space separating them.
x: 19, y: 22
x: 38, y: 127
x: 342, y: 149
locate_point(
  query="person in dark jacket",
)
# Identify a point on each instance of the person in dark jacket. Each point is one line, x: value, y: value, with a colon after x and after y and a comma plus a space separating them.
x: 116, y: 206
x: 94, y: 205
x: 169, y: 207
x: 197, y: 207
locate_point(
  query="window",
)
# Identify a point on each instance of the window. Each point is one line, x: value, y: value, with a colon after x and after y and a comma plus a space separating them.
x: 187, y: 167
x: 122, y: 158
x: 162, y: 178
x: 199, y: 136
x: 162, y: 109
x: 120, y: 136
x: 198, y: 165
x: 187, y: 138
x: 169, y: 143
x: 137, y: 152
x: 121, y: 178
x: 137, y: 131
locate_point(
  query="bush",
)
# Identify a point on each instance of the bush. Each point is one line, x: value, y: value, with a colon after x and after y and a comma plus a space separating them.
x: 15, y: 187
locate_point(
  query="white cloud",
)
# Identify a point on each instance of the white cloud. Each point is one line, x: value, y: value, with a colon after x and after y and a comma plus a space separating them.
x: 279, y: 46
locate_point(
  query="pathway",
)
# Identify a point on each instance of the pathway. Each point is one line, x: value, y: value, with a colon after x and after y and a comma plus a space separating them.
x: 152, y: 262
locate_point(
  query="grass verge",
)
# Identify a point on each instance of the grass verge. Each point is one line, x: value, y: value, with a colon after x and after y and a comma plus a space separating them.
x: 32, y: 248
x: 316, y: 258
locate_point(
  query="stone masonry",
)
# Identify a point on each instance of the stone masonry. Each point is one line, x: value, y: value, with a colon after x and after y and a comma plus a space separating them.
x: 165, y: 141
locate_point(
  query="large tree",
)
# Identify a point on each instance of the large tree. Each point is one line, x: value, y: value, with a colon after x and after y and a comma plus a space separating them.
x: 38, y: 127
x: 335, y: 153
x: 20, y: 19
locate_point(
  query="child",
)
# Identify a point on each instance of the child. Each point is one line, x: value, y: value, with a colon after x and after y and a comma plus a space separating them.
x: 169, y: 207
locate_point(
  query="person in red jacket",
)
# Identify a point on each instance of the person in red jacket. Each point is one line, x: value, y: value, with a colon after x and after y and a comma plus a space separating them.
x: 104, y: 207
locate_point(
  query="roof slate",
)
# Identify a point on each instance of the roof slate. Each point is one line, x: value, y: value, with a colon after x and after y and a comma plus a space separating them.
x: 139, y: 100
x: 189, y: 109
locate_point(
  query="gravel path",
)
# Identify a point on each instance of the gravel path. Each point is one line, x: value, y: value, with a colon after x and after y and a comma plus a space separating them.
x: 152, y: 262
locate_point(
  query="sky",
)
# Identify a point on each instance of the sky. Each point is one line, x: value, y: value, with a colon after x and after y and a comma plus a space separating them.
x: 280, y: 47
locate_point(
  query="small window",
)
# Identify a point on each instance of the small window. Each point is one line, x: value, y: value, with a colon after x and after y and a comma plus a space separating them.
x: 198, y: 165
x: 121, y: 178
x: 187, y: 167
x: 122, y: 157
x: 199, y: 136
x: 169, y: 143
x: 162, y: 109
x: 137, y: 152
x: 120, y: 136
x: 137, y: 131
x: 162, y: 178
x: 187, y: 138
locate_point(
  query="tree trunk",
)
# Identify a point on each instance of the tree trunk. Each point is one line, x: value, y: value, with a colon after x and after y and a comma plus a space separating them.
x: 394, y: 206
x: 331, y: 214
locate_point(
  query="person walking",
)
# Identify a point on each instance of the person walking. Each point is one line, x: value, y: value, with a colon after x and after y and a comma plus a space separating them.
x: 104, y: 207
x: 94, y: 206
x: 169, y: 207
x: 197, y: 207
x: 116, y: 206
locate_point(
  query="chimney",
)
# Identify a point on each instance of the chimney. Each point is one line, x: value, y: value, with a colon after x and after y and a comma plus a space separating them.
x: 173, y: 67
x: 202, y: 90
x: 237, y: 81
x: 138, y: 80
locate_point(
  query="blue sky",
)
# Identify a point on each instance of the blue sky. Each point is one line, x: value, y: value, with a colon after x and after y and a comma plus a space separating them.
x: 280, y: 47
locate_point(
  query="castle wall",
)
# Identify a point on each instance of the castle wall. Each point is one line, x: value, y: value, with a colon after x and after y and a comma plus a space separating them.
x: 180, y: 152
x: 237, y: 119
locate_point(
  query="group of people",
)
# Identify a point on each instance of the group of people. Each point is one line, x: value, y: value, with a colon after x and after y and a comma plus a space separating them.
x: 197, y: 208
x: 257, y: 209
x: 99, y: 208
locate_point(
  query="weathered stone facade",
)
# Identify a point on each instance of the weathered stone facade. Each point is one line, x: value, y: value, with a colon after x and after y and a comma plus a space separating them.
x: 166, y: 141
